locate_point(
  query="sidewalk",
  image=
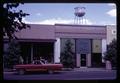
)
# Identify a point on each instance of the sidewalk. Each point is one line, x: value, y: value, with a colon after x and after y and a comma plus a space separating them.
x: 9, y: 71
x: 85, y: 69
x: 91, y: 69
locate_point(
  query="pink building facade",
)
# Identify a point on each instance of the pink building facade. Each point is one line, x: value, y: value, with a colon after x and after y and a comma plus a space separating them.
x: 48, y: 41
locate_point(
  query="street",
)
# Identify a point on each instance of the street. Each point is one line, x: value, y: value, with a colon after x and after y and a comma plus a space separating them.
x: 64, y: 75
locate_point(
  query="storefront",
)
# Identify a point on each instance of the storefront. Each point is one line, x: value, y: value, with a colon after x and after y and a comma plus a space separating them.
x: 34, y: 50
x: 89, y: 43
x: 48, y: 41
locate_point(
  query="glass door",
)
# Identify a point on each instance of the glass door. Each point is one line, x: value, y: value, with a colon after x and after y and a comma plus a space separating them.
x: 83, y: 60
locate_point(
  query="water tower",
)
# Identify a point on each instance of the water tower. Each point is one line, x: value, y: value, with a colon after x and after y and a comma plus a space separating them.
x: 79, y: 15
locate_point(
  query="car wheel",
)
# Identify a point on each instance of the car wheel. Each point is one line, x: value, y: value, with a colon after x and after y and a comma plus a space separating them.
x: 21, y: 71
x: 50, y: 71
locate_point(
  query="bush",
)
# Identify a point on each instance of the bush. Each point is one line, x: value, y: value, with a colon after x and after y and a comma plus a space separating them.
x: 12, y: 57
x: 67, y: 57
x: 111, y: 53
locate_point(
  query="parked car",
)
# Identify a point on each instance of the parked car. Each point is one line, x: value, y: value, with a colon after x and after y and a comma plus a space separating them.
x: 38, y: 65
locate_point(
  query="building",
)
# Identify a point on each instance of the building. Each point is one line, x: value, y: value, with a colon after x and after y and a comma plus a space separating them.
x: 48, y: 41
x: 111, y: 33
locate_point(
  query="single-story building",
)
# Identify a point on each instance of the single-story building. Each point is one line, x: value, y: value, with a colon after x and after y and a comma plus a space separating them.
x: 48, y: 41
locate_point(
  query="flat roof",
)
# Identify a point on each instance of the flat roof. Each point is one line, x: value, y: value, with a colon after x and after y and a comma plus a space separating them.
x: 77, y: 25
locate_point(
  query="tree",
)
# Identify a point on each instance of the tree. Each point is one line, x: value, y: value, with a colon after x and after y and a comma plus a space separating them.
x: 111, y: 53
x: 13, y: 54
x: 11, y: 19
x: 67, y: 56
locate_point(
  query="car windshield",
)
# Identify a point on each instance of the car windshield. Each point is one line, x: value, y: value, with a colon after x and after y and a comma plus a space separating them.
x: 42, y: 61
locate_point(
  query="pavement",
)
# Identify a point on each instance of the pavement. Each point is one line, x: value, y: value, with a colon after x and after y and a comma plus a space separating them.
x: 91, y: 69
x: 84, y: 69
x: 66, y: 74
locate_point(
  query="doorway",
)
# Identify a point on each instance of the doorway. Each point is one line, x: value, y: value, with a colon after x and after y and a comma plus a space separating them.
x: 83, y: 60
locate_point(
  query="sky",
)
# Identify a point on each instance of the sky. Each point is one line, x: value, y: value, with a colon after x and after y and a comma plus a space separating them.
x: 63, y: 13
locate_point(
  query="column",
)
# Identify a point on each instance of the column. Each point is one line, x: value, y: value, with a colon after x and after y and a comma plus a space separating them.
x: 89, y: 60
x: 31, y: 53
x: 78, y: 60
x: 104, y: 48
x: 57, y: 51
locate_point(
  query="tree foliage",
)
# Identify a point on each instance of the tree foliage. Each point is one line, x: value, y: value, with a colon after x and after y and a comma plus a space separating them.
x: 67, y: 57
x: 111, y: 53
x: 11, y: 22
x: 11, y: 19
x: 13, y: 54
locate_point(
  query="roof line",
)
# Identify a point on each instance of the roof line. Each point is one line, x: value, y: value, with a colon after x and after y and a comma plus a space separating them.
x: 80, y: 25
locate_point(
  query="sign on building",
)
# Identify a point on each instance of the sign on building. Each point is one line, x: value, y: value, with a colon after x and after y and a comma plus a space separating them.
x: 96, y: 46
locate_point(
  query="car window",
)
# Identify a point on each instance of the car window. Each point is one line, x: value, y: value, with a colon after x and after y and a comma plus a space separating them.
x: 42, y: 61
x: 36, y: 62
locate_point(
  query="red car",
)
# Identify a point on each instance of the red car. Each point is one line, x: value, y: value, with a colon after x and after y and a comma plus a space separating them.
x: 38, y: 66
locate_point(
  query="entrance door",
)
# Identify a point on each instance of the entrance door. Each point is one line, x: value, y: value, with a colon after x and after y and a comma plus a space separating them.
x: 83, y: 60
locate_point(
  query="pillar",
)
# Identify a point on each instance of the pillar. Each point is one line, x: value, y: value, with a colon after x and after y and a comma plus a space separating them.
x: 89, y: 60
x: 57, y: 51
x: 78, y: 60
x: 31, y: 53
x: 104, y: 48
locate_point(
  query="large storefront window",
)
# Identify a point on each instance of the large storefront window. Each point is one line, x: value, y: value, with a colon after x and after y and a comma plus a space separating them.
x: 96, y: 53
x: 83, y: 46
x: 43, y: 50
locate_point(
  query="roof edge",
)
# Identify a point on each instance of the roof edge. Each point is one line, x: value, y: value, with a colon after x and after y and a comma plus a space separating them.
x: 80, y: 25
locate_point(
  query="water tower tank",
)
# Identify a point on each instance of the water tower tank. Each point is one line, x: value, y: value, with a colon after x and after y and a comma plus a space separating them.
x: 79, y: 11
